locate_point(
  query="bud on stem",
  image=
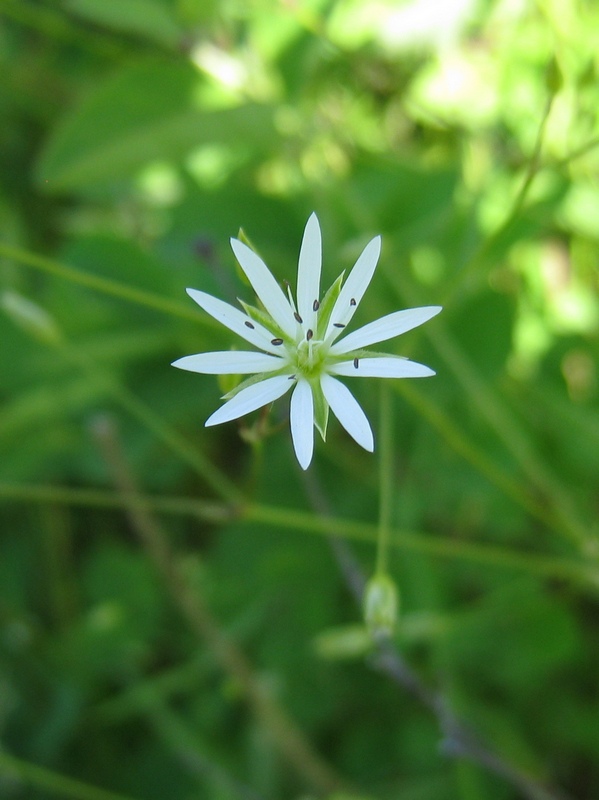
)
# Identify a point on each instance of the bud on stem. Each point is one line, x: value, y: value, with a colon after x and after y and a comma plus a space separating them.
x: 380, y: 605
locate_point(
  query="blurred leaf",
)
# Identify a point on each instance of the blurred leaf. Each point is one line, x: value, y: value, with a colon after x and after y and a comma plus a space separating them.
x: 517, y: 619
x: 404, y: 197
x: 146, y: 112
x: 483, y: 327
x: 145, y: 18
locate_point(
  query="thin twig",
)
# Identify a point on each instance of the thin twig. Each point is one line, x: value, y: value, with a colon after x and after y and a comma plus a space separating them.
x: 459, y: 740
x: 286, y: 736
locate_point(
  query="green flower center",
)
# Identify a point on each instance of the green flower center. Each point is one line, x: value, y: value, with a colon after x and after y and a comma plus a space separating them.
x: 310, y: 357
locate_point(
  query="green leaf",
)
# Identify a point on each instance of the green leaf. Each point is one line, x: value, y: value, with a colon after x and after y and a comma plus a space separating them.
x: 144, y: 18
x: 146, y: 113
x: 484, y: 329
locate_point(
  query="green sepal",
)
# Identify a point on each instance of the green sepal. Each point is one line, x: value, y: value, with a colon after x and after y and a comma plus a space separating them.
x: 264, y: 319
x: 243, y: 237
x: 239, y: 272
x: 261, y: 376
x: 361, y: 354
x: 321, y: 410
x: 326, y: 307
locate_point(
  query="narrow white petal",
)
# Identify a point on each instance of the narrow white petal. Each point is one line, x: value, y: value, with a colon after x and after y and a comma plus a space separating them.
x: 265, y: 286
x: 229, y: 362
x: 345, y: 407
x: 385, y: 328
x: 236, y: 321
x: 354, y: 287
x: 381, y: 367
x: 308, y: 273
x: 256, y: 396
x: 302, y: 423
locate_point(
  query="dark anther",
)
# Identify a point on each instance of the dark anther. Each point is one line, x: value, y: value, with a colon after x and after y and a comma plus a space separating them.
x: 298, y: 318
x: 356, y: 362
x: 309, y: 334
x: 352, y: 302
x: 276, y: 341
x: 338, y: 325
x: 286, y: 284
x: 248, y: 324
x: 315, y: 305
x: 291, y: 378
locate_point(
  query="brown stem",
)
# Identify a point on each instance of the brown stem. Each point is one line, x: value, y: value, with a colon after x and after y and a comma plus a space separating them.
x: 285, y: 734
x: 459, y: 740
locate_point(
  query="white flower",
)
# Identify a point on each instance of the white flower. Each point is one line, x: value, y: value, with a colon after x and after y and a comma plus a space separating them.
x: 299, y: 345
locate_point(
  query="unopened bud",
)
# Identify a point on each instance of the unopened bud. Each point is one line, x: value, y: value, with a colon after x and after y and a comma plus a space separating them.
x: 381, y: 604
x: 344, y: 642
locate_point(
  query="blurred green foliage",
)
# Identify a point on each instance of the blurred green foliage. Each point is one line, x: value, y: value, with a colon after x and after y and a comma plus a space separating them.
x: 136, y: 137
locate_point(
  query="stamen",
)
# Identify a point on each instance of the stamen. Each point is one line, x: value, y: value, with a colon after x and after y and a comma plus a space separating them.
x: 338, y: 325
x: 291, y: 378
x: 309, y: 334
x: 356, y: 362
x: 298, y: 318
x: 249, y: 324
x: 276, y: 341
x: 315, y: 305
x: 352, y: 302
x: 286, y: 283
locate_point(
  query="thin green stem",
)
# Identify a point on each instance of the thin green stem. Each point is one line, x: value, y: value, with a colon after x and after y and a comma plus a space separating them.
x: 532, y: 169
x: 99, y: 498
x: 500, y: 419
x: 289, y: 519
x: 459, y: 441
x: 385, y: 477
x: 105, y: 285
x: 52, y: 782
x: 436, y: 545
x: 580, y: 151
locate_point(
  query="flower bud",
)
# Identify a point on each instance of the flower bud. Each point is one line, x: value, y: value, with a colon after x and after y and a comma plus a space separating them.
x: 380, y: 605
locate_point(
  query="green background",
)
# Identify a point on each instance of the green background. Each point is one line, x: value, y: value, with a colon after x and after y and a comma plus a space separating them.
x: 174, y: 622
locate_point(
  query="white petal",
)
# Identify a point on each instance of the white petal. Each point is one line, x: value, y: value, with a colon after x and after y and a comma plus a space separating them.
x: 345, y: 407
x: 385, y: 328
x: 237, y: 321
x: 308, y: 273
x: 265, y: 286
x: 381, y: 367
x: 354, y: 287
x: 255, y: 396
x: 302, y: 423
x: 229, y: 362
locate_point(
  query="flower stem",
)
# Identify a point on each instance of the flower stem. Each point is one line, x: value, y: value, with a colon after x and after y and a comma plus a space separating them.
x: 103, y: 285
x: 385, y: 478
